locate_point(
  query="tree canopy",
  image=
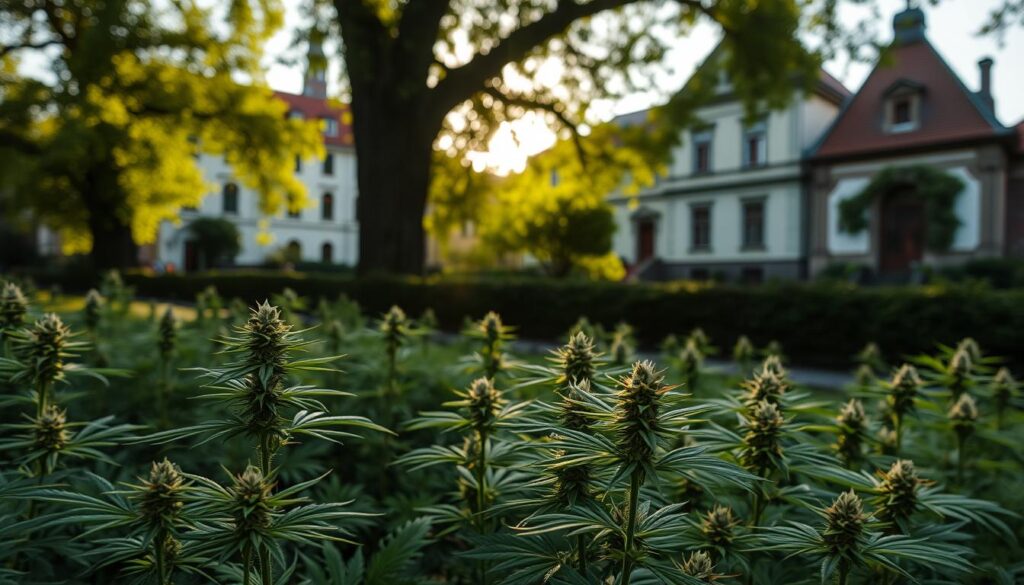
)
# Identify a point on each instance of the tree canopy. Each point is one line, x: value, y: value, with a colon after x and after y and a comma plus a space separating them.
x: 103, y: 145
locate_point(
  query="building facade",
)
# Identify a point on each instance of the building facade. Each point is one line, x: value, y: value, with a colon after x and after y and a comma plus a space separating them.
x: 733, y: 203
x: 913, y: 111
x: 326, y: 231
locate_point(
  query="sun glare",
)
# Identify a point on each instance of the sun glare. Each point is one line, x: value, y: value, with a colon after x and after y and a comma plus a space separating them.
x: 512, y: 144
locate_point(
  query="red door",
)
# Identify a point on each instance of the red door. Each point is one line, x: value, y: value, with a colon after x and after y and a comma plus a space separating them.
x: 645, y: 241
x: 902, y: 233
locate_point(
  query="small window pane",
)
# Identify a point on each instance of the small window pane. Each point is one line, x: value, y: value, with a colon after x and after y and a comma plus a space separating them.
x: 753, y: 224
x: 701, y: 227
x: 329, y: 164
x: 327, y: 207
x: 230, y: 203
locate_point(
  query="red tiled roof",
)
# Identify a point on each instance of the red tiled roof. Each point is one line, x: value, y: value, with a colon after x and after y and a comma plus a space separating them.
x: 316, y: 108
x: 950, y: 113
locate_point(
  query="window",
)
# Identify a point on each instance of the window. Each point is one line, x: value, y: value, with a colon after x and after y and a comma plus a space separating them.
x: 294, y: 213
x: 700, y: 227
x: 230, y: 196
x: 755, y: 145
x: 329, y: 164
x: 298, y: 163
x: 295, y: 115
x: 327, y: 207
x: 901, y: 111
x: 327, y: 253
x: 902, y: 106
x: 753, y: 225
x: 702, y: 152
x: 330, y: 126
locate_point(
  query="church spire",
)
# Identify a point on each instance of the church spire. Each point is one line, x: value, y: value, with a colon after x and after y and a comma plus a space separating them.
x: 315, y: 83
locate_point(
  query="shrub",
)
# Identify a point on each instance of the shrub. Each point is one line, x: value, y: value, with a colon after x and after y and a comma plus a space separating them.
x: 817, y: 324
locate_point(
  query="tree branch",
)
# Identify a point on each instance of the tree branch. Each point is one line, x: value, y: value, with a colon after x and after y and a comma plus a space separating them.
x: 461, y: 83
x: 4, y: 51
x: 550, y: 107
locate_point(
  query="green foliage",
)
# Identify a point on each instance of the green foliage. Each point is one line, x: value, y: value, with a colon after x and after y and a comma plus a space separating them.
x: 936, y: 188
x: 798, y: 315
x: 217, y: 240
x: 106, y: 146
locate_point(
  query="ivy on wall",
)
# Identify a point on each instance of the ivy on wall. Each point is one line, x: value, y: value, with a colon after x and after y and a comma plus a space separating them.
x: 936, y: 188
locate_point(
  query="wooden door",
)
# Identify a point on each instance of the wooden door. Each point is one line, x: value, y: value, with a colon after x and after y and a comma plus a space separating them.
x: 902, y: 233
x: 645, y: 240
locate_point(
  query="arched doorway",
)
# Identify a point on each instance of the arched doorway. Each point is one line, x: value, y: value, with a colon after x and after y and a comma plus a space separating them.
x: 902, y: 233
x: 327, y: 253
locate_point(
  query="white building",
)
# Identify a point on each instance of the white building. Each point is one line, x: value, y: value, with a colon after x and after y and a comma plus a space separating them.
x: 733, y: 203
x: 326, y: 231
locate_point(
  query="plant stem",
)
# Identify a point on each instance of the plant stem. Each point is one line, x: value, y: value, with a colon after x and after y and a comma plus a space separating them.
x: 42, y: 397
x: 898, y: 424
x: 960, y: 441
x: 160, y: 561
x: 634, y: 504
x: 246, y: 564
x: 266, y: 571
x: 844, y: 572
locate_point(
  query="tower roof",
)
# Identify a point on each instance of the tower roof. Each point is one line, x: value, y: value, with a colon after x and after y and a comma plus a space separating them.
x: 948, y: 113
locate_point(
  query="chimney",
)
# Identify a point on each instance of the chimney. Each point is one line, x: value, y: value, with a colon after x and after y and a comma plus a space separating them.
x: 985, y: 68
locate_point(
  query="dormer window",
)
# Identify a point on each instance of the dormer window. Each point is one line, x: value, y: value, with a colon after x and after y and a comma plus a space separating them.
x: 903, y: 106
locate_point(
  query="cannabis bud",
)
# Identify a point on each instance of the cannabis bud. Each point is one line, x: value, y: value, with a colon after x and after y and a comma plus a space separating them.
x: 636, y: 411
x: 773, y: 365
x: 971, y: 348
x: 852, y: 423
x: 717, y: 526
x: 700, y: 339
x: 765, y: 386
x: 761, y: 441
x: 161, y: 498
x: 670, y: 345
x: 904, y: 387
x: 844, y: 523
x: 250, y: 494
x: 959, y: 371
x: 774, y: 350
x: 1004, y: 388
x: 45, y: 347
x: 897, y: 492
x: 963, y: 415
x: 743, y: 351
x: 887, y: 440
x: 491, y: 327
x: 621, y: 350
x: 573, y: 414
x: 92, y: 311
x: 572, y: 482
x: 167, y: 333
x: 51, y: 432
x: 484, y: 402
x: 266, y: 336
x: 690, y: 361
x: 393, y: 325
x: 864, y: 376
x: 700, y: 567
x: 576, y: 359
x: 871, y: 356
x: 13, y: 306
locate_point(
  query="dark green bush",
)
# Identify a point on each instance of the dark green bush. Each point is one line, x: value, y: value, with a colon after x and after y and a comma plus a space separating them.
x: 820, y: 324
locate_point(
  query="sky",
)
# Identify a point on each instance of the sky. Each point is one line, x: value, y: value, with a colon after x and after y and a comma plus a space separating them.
x: 951, y: 26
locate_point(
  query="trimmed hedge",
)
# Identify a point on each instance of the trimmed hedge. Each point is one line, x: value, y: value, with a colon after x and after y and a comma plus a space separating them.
x: 819, y: 324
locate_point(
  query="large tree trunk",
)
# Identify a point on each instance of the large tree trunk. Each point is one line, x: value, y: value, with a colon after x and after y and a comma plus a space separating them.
x: 112, y: 244
x: 394, y: 148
